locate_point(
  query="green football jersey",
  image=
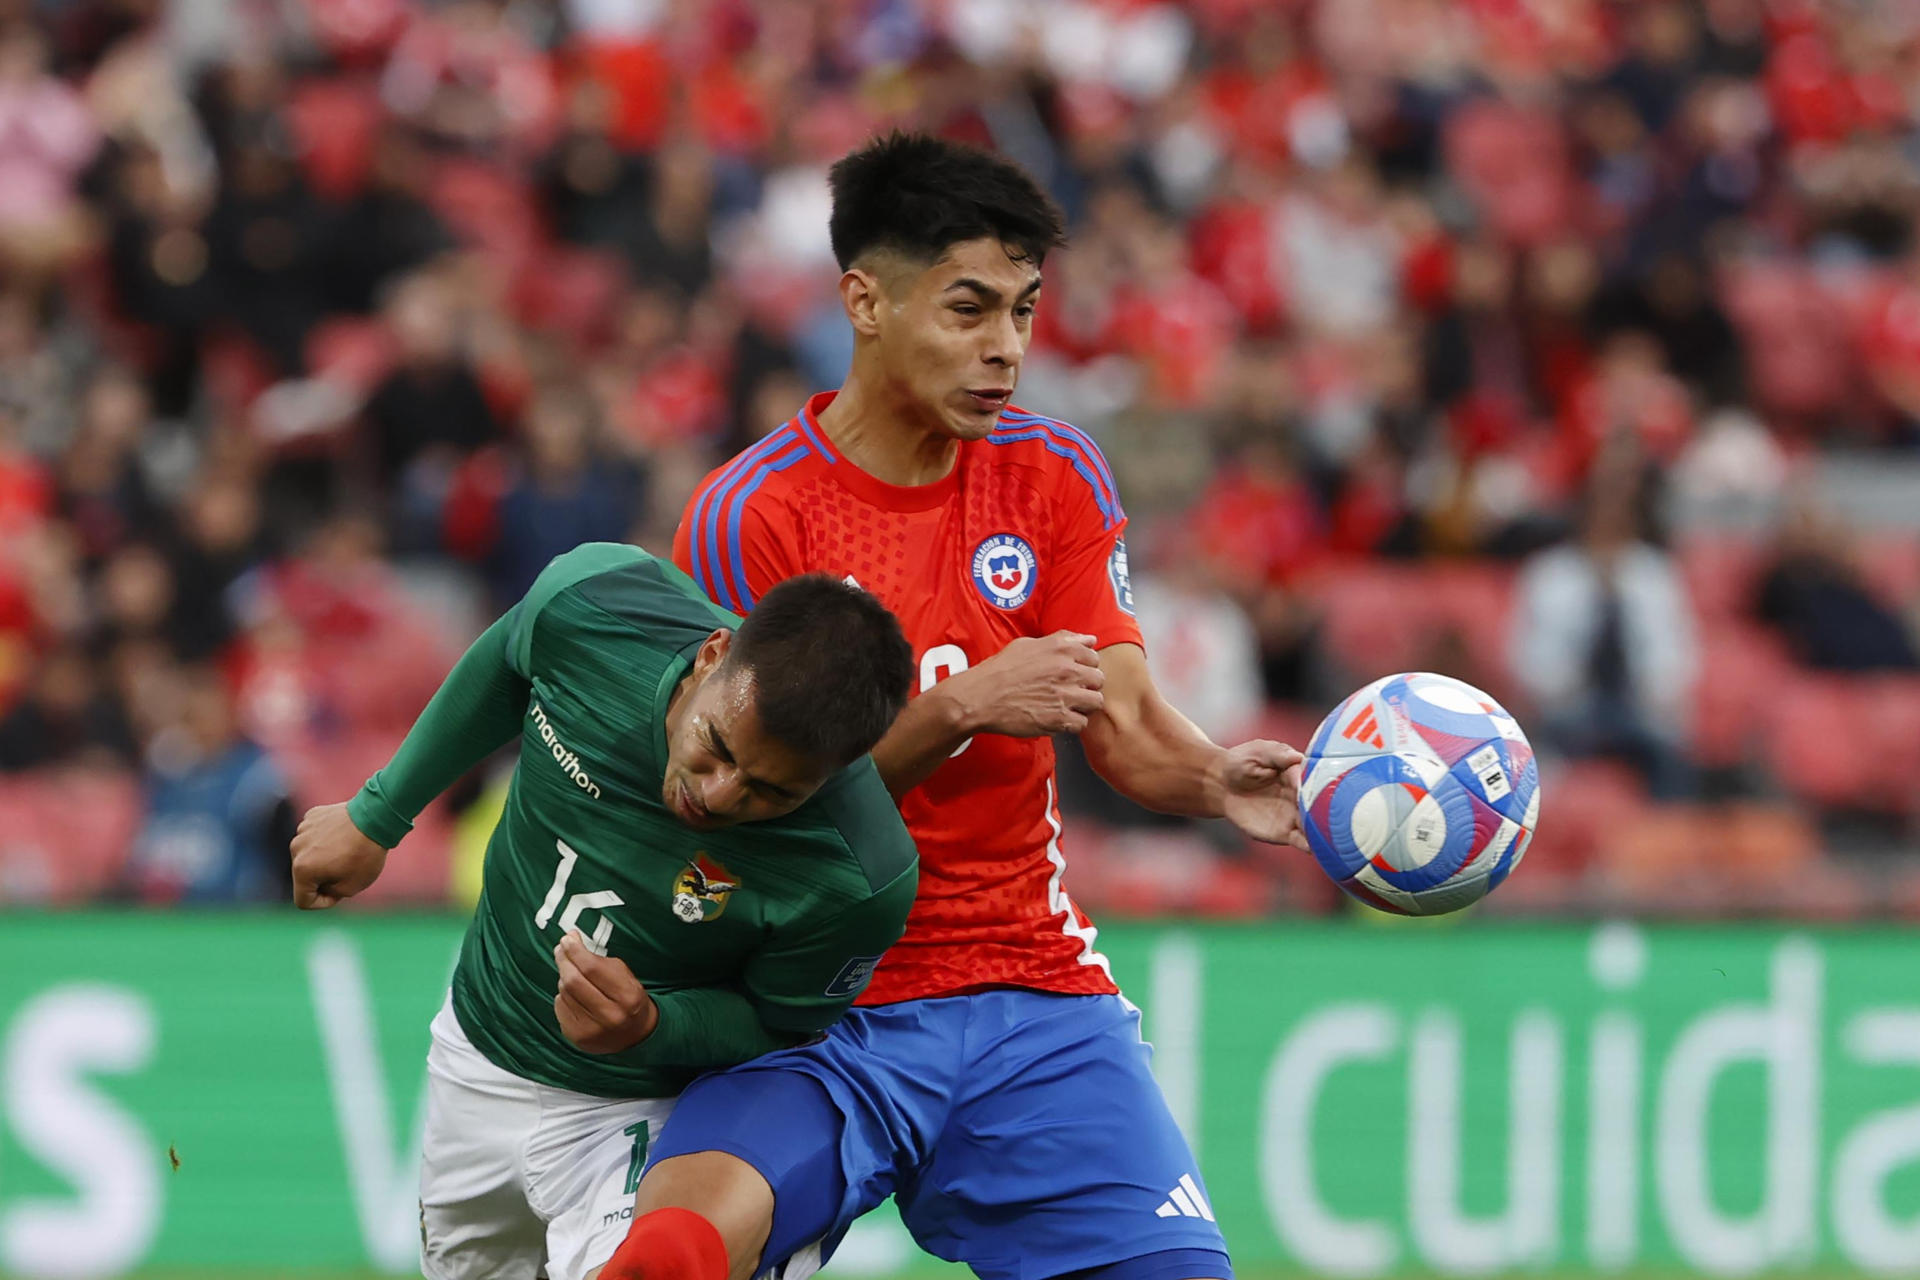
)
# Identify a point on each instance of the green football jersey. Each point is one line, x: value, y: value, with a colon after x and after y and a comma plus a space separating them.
x: 750, y: 938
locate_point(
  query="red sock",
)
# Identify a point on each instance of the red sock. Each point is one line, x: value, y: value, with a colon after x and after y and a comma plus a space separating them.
x: 669, y: 1244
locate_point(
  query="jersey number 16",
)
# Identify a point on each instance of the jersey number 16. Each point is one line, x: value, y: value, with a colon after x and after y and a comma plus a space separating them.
x: 578, y: 903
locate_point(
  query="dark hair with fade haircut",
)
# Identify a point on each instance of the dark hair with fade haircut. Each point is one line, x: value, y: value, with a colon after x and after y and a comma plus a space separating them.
x: 919, y: 195
x: 830, y: 666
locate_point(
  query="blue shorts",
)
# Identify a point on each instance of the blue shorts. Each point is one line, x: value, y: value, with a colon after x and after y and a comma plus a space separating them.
x: 1019, y: 1132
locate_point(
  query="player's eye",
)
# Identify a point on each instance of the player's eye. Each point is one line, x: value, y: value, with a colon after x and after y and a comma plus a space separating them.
x: 1023, y: 312
x: 965, y: 309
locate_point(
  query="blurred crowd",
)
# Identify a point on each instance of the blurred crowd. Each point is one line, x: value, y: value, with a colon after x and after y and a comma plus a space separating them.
x: 1516, y: 339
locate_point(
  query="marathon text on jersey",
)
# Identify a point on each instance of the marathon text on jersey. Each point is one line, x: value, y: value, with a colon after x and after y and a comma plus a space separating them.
x: 569, y: 762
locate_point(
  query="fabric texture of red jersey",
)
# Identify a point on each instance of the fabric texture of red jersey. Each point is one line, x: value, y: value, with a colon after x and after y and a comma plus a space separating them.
x: 1024, y: 537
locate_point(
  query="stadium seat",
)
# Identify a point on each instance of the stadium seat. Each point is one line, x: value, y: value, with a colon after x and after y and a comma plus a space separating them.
x: 1727, y: 720
x: 1819, y: 741
x: 1578, y: 802
x: 1375, y: 617
x: 1742, y: 858
x: 572, y: 291
x: 1476, y: 601
x: 1797, y: 338
x: 1162, y: 871
x: 1891, y: 564
x: 1721, y: 572
x: 67, y: 834
x: 1892, y: 710
x: 488, y: 209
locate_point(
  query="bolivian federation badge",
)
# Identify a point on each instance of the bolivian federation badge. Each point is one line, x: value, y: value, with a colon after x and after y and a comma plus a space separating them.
x: 701, y: 890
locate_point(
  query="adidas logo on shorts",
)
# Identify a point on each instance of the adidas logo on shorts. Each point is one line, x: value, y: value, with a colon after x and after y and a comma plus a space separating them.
x: 1185, y: 1201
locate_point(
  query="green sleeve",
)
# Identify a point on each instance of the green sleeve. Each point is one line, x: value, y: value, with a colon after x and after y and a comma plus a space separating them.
x: 805, y: 983
x: 708, y: 1027
x: 793, y: 988
x: 476, y: 711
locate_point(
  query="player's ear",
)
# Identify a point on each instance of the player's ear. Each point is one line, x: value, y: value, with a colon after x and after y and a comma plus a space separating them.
x: 861, y: 294
x: 713, y: 651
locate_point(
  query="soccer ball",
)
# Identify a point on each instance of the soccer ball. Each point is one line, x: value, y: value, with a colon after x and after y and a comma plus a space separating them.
x: 1419, y: 794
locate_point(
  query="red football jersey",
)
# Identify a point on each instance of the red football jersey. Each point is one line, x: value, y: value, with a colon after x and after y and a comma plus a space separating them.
x: 1022, y: 538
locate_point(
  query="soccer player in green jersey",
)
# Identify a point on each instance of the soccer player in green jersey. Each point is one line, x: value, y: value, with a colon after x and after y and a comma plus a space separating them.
x: 697, y: 864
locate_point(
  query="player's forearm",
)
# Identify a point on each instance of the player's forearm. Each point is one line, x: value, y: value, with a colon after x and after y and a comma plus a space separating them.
x: 1157, y: 758
x: 708, y: 1027
x: 476, y: 711
x: 924, y: 736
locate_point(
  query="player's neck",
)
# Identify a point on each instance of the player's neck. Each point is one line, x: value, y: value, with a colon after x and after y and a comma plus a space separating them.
x: 882, y: 439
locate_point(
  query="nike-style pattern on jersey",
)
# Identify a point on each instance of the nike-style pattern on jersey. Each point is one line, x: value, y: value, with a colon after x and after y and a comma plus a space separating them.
x: 1023, y: 538
x: 750, y: 938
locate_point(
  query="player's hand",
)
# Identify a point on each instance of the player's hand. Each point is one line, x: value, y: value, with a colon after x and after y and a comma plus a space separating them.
x: 332, y: 858
x: 1035, y: 687
x: 601, y: 1006
x: 1262, y: 784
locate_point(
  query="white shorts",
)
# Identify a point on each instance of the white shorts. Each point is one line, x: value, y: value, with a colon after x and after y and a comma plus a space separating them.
x: 518, y: 1180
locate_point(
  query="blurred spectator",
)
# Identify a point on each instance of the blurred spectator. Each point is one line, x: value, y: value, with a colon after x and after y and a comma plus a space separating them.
x: 66, y: 717
x: 267, y: 231
x: 219, y: 539
x: 466, y: 74
x: 561, y: 490
x: 388, y: 227
x: 47, y: 135
x: 429, y: 413
x: 219, y: 816
x: 1814, y: 595
x: 104, y: 493
x: 1603, y: 641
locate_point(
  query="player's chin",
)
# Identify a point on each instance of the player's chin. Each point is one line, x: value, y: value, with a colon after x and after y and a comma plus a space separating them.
x: 974, y: 419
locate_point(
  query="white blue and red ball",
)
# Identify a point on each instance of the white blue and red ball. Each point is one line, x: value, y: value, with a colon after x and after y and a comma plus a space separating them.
x: 1419, y: 794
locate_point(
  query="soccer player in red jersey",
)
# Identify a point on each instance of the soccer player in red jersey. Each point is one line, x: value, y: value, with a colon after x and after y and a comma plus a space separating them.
x: 991, y: 1079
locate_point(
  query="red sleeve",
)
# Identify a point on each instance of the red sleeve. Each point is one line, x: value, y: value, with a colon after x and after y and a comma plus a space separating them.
x: 1088, y: 588
x: 736, y: 551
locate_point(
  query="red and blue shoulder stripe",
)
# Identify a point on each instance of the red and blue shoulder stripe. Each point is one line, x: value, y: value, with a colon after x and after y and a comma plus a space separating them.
x: 1071, y: 443
x: 714, y: 547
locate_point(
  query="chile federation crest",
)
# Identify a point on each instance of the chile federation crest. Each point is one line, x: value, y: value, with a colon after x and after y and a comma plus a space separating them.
x: 1004, y: 569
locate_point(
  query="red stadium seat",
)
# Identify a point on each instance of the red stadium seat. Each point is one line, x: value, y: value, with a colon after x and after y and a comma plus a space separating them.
x: 1819, y: 740
x: 1579, y: 803
x: 67, y: 834
x: 1477, y: 602
x: 488, y: 209
x: 1728, y: 716
x: 1891, y: 564
x: 1892, y: 710
x: 573, y: 291
x: 1714, y: 860
x: 1721, y: 572
x: 1374, y: 617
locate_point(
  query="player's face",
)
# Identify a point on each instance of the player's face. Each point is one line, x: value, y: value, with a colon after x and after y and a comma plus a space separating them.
x: 953, y: 335
x: 722, y: 767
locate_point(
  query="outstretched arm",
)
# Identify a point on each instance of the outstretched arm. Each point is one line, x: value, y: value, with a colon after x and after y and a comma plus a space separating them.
x: 1160, y: 760
x: 340, y: 849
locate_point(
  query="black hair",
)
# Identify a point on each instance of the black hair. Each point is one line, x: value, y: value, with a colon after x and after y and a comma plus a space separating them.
x: 830, y: 666
x: 919, y: 195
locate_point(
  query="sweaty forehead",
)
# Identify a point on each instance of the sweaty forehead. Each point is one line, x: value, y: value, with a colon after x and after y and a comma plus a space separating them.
x: 735, y: 712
